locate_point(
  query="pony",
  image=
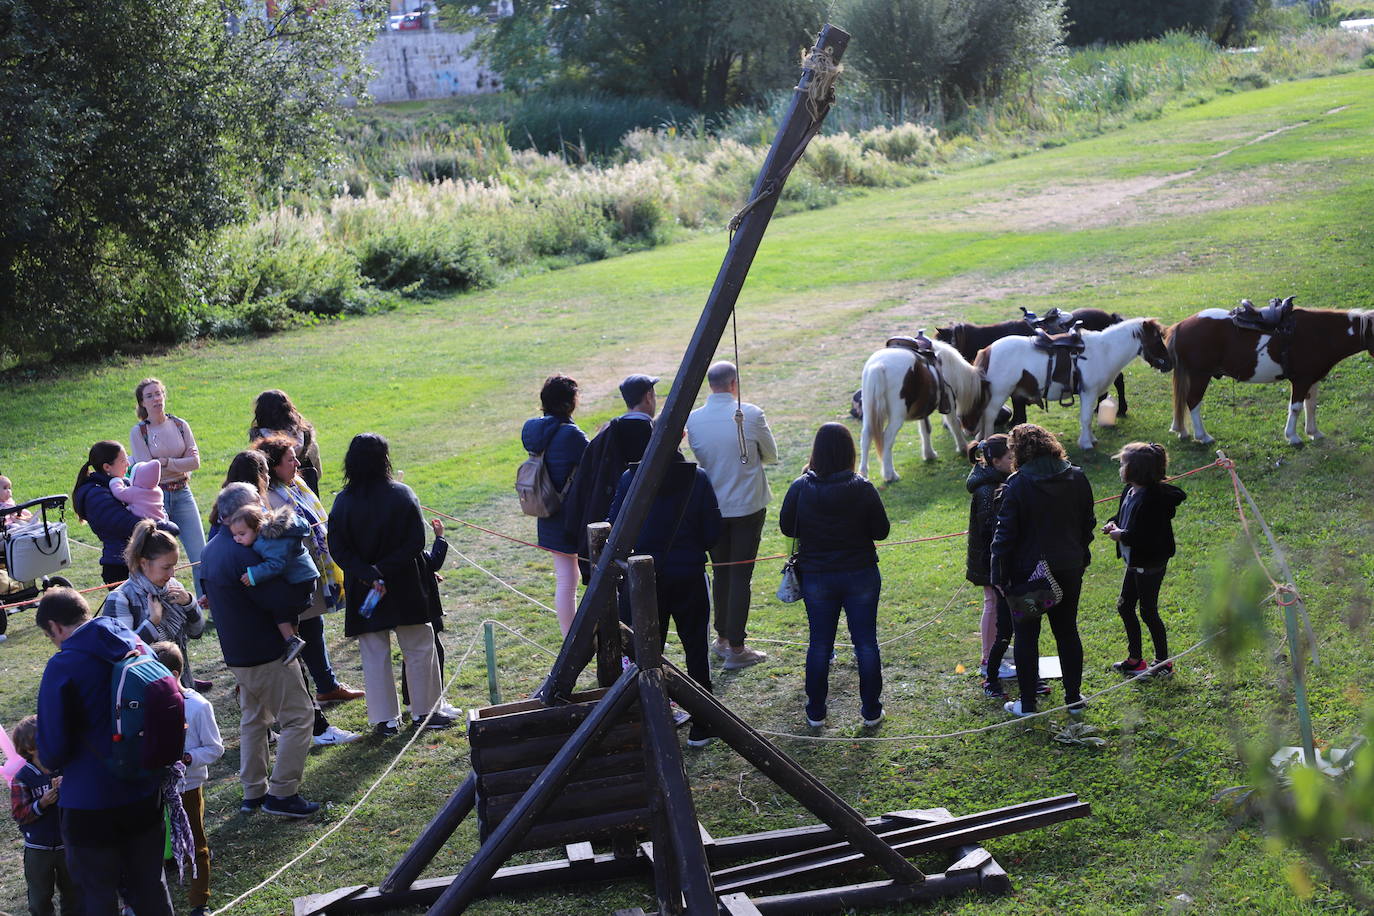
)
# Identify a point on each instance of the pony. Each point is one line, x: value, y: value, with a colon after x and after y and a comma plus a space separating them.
x: 1015, y: 366
x: 968, y: 339
x: 1207, y: 345
x: 898, y: 386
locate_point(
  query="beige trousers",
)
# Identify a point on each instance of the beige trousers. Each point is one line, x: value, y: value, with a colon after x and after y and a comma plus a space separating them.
x: 273, y: 693
x: 379, y: 680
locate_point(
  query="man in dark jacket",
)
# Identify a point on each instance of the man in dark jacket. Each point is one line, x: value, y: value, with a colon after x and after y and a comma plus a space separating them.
x: 246, y: 621
x: 610, y: 452
x: 682, y: 524
x: 112, y: 826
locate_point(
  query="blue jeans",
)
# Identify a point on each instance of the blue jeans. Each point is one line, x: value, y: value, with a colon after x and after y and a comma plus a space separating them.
x: 856, y: 593
x: 182, y: 509
x: 315, y: 654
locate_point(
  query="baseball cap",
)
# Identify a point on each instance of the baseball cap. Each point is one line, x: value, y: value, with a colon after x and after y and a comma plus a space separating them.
x: 635, y: 387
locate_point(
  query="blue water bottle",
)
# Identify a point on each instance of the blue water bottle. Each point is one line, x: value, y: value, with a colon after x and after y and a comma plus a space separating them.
x: 370, y: 602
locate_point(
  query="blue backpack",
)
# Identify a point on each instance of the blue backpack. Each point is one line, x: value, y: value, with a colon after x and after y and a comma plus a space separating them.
x: 147, y: 716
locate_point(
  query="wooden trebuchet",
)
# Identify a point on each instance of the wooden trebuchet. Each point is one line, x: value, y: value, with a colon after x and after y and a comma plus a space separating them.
x: 808, y: 109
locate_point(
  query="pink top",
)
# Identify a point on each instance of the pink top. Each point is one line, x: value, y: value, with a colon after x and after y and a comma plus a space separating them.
x: 170, y: 443
x: 141, y: 492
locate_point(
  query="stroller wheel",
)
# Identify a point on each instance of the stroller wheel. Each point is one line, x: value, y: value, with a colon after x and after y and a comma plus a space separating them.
x: 55, y: 582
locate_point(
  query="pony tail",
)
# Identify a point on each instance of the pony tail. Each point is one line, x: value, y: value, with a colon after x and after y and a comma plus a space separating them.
x: 974, y: 449
x: 81, y: 476
x: 137, y: 541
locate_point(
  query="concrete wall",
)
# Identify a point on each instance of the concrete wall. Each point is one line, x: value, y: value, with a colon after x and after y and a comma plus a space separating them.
x: 427, y: 65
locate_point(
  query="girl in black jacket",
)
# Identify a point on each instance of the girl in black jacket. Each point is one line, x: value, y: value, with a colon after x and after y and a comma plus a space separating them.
x: 992, y: 462
x: 1144, y: 534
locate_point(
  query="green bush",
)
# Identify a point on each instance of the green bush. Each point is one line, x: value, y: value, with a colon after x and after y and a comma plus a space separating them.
x: 412, y: 257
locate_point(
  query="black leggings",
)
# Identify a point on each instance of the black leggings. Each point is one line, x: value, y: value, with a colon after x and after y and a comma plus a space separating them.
x: 1003, y: 639
x: 1142, y: 587
x: 1063, y: 619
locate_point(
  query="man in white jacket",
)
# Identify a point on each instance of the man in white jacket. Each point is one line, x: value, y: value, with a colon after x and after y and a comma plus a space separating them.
x: 203, y: 747
x: 735, y: 469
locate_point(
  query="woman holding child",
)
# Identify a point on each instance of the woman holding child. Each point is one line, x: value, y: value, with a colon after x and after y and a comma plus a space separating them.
x: 96, y: 505
x: 285, y: 487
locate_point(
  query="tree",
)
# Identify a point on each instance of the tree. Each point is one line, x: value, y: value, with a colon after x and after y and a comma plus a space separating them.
x: 708, y: 54
x: 933, y: 54
x: 133, y: 131
x: 1119, y: 21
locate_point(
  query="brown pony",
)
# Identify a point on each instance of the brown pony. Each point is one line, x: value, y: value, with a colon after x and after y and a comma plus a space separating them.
x: 1208, y: 346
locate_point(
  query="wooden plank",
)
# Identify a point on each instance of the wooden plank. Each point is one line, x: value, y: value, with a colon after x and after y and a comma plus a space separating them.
x: 993, y: 879
x: 971, y: 858
x: 738, y: 905
x: 513, y: 829
x: 910, y: 841
x: 519, y: 706
x: 433, y: 837
x: 513, y: 755
x: 689, y: 856
x: 318, y: 903
x: 795, y: 131
x: 533, y: 723
x: 788, y: 775
x: 550, y: 835
x: 864, y: 896
x: 504, y: 782
x: 576, y: 802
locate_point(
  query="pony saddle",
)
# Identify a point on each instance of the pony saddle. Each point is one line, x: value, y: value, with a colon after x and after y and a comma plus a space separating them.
x: 925, y: 351
x: 1064, y: 350
x: 1274, y: 318
x: 1055, y: 320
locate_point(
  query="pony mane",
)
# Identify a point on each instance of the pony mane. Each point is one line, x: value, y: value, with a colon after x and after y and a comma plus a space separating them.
x: 1365, y: 319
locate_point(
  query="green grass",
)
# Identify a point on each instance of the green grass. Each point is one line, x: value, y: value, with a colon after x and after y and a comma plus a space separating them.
x: 449, y: 380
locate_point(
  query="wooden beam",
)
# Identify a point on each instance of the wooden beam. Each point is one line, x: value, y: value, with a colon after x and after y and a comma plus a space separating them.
x: 797, y: 128
x: 863, y: 896
x: 506, y: 837
x: 318, y: 903
x: 790, y: 776
x: 608, y: 650
x: 664, y: 756
x: 433, y: 837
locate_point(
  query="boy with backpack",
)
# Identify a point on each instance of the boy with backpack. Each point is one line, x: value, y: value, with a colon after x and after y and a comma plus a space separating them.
x: 110, y: 807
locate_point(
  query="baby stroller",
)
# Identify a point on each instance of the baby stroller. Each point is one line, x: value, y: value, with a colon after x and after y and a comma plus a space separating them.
x: 32, y: 552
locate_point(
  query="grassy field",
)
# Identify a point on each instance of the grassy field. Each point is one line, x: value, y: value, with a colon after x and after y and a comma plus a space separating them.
x: 1259, y: 194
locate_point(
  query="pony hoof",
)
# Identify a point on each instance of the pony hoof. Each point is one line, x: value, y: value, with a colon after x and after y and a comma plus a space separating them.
x: 1317, y: 437
x: 1296, y: 441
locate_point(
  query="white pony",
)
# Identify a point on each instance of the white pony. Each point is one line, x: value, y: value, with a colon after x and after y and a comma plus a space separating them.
x: 1015, y: 365
x: 897, y: 386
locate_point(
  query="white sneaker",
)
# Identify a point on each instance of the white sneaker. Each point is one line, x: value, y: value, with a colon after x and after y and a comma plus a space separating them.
x: 721, y: 647
x: 334, y: 735
x: 869, y: 723
x: 680, y: 716
x: 1013, y: 708
x: 447, y: 709
x: 1005, y: 672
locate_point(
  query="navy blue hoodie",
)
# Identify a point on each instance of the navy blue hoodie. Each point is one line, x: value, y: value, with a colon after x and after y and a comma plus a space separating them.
x: 74, y: 718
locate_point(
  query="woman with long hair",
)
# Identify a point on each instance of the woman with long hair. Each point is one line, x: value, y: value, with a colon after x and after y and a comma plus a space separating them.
x: 377, y: 534
x: 285, y: 487
x: 836, y: 515
x: 167, y: 439
x: 991, y: 459
x: 275, y: 415
x: 248, y: 466
x: 95, y: 504
x: 151, y: 602
x: 1045, y: 517
x: 555, y: 436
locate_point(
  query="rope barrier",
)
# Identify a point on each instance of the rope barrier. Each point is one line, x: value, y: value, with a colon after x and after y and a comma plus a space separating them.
x: 472, y: 646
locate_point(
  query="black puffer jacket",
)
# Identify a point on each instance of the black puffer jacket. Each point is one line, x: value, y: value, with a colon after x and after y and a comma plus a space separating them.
x: 982, y: 482
x: 376, y: 531
x: 1046, y: 511
x: 836, y: 518
x: 1149, y: 532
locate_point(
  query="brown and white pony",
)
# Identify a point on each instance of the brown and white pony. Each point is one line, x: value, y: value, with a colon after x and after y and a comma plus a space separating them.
x: 1207, y: 345
x: 968, y: 339
x: 1015, y: 366
x: 898, y: 387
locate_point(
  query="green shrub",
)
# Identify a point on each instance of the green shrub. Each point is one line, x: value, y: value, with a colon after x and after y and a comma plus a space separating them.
x: 418, y: 256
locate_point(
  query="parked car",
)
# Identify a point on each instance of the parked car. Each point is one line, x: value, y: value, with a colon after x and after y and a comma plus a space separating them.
x: 404, y: 22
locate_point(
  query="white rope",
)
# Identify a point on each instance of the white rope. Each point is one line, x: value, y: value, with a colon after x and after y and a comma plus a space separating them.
x: 472, y: 645
x: 502, y: 582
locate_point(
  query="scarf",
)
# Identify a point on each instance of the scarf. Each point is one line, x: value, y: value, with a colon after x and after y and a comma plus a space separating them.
x: 183, y: 844
x: 178, y: 620
x: 308, y: 505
